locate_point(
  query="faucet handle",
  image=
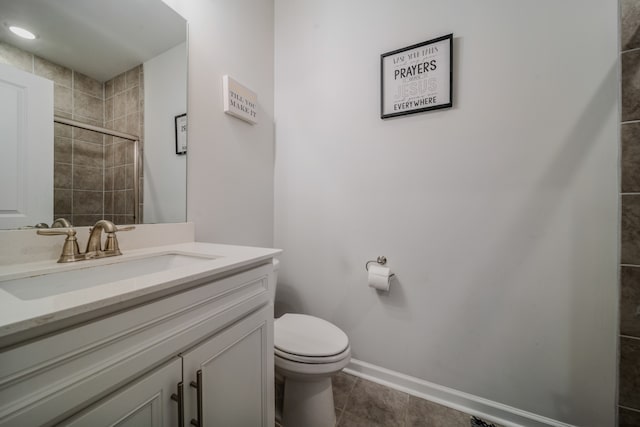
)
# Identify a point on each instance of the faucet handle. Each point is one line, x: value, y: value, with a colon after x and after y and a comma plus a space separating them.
x: 61, y: 223
x: 70, y: 249
x: 111, y: 244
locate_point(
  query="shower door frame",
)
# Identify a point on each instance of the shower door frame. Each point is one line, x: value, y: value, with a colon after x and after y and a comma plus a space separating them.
x: 123, y: 135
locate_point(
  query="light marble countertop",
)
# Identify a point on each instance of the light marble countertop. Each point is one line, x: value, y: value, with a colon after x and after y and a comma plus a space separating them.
x: 22, y: 318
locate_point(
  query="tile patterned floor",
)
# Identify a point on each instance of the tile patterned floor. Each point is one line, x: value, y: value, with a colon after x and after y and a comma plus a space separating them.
x: 362, y: 403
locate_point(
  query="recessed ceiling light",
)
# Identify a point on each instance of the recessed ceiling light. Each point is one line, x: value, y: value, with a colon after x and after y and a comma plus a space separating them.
x: 22, y: 32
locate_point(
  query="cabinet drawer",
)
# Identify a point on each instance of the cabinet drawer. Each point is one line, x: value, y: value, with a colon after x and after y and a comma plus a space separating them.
x: 43, y: 381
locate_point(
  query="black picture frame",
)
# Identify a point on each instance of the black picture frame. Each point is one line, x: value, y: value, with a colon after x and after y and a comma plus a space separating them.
x: 417, y: 78
x: 181, y: 133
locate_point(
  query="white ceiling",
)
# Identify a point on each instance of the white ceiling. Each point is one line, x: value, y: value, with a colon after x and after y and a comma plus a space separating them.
x: 99, y: 38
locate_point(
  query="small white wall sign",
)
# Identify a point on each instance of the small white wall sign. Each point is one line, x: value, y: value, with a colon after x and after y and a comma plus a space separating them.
x: 239, y: 101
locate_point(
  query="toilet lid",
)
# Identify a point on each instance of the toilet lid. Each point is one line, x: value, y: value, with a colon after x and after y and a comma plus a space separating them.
x: 306, y: 335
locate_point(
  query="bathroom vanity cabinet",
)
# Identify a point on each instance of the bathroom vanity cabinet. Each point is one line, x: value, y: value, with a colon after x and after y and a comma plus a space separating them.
x: 214, y: 339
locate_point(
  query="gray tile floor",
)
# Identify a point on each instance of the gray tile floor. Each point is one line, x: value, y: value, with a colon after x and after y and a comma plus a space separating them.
x: 362, y: 403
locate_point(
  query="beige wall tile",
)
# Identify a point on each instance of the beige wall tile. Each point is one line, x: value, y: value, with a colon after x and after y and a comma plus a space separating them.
x: 87, y: 136
x: 18, y: 58
x: 63, y: 114
x: 88, y: 154
x: 630, y: 85
x: 132, y: 77
x: 108, y: 202
x: 62, y: 149
x: 133, y: 124
x: 630, y: 157
x: 108, y: 179
x: 119, y: 179
x: 630, y: 301
x: 120, y: 124
x: 88, y: 106
x: 108, y: 109
x: 630, y: 230
x: 629, y: 385
x: 628, y: 418
x: 62, y: 130
x: 108, y: 155
x: 80, y: 220
x: 132, y: 100
x: 87, y: 85
x: 630, y: 24
x: 62, y: 98
x: 87, y: 178
x: 119, y: 202
x: 62, y: 203
x: 129, y: 202
x: 118, y: 83
x: 62, y: 175
x: 87, y: 202
x: 128, y: 169
x: 119, y: 105
x: 47, y: 69
x: 108, y: 89
x: 120, y: 152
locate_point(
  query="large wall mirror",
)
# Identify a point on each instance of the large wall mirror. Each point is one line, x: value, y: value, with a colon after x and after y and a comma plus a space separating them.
x: 112, y: 77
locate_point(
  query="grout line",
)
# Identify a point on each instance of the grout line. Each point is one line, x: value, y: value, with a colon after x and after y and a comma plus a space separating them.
x: 630, y: 265
x: 630, y: 194
x: 629, y: 122
x: 630, y: 337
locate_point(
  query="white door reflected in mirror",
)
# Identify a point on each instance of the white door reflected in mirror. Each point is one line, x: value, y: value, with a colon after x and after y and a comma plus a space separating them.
x: 26, y: 162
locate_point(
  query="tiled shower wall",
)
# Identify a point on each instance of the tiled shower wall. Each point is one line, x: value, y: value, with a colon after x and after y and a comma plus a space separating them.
x: 629, y: 363
x: 124, y: 112
x: 93, y: 173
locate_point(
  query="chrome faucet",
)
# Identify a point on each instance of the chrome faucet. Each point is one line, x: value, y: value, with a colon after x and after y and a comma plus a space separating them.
x: 71, y: 251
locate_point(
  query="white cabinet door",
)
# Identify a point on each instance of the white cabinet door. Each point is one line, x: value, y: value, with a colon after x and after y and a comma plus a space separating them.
x: 236, y: 375
x: 26, y: 144
x: 145, y: 402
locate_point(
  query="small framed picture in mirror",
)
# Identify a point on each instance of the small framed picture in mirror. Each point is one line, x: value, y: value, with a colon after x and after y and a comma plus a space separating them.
x: 181, y: 134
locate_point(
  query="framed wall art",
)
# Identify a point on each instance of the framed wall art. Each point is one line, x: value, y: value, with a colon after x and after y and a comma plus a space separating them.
x: 181, y: 134
x: 417, y: 78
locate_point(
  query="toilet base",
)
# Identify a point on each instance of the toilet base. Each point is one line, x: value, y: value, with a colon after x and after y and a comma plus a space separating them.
x: 308, y: 403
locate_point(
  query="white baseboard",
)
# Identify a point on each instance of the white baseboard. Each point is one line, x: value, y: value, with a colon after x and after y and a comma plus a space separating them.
x: 473, y: 405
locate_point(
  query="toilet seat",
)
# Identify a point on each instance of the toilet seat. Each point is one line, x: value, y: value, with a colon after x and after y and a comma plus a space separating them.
x: 308, y: 339
x: 313, y: 359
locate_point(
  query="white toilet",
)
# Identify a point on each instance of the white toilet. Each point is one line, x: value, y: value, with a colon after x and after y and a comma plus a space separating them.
x: 308, y: 351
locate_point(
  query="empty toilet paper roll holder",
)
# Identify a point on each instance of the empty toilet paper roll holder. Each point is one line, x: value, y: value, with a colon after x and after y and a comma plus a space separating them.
x: 382, y: 260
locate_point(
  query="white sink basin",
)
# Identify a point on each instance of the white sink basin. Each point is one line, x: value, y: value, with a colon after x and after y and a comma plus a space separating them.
x: 87, y: 275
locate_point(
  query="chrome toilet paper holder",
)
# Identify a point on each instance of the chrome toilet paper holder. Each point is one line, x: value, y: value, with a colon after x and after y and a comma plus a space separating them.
x: 382, y: 260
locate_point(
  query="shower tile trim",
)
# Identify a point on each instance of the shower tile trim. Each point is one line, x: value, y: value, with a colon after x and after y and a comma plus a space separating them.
x: 488, y: 410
